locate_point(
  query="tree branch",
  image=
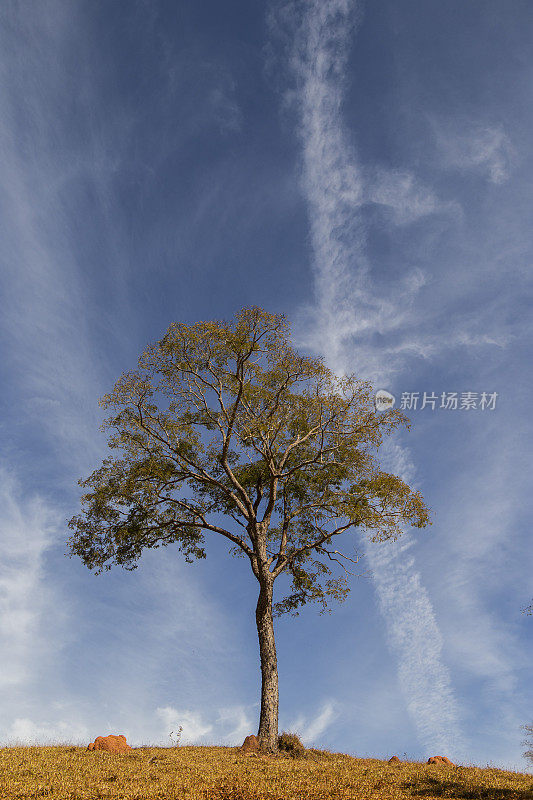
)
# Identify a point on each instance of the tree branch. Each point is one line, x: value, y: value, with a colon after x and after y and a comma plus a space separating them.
x: 330, y: 555
x: 216, y: 528
x: 287, y: 560
x: 202, y: 477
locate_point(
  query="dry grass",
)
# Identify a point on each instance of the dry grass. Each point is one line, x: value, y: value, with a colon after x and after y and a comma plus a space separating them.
x: 63, y: 772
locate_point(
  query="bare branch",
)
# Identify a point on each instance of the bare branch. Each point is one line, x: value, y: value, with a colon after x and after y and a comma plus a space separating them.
x: 216, y: 528
x: 330, y: 555
x: 204, y: 476
x: 227, y: 437
x: 287, y: 560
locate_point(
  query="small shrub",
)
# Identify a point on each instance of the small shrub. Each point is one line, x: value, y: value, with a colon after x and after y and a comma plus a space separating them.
x: 290, y: 743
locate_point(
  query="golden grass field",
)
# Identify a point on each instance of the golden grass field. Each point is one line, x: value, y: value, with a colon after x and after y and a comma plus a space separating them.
x: 65, y: 772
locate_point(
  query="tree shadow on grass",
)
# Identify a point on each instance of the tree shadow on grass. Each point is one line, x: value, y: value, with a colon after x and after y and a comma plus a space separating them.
x: 431, y: 787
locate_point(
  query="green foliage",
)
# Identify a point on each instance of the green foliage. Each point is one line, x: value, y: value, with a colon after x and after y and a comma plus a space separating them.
x: 223, y: 418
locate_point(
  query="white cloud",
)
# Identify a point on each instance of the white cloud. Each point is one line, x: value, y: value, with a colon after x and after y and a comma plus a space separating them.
x: 310, y: 732
x: 44, y: 321
x: 347, y: 304
x: 239, y: 719
x: 23, y: 732
x: 405, y: 198
x: 477, y: 529
x: 193, y: 728
x: 485, y: 149
x: 413, y: 630
x: 30, y: 611
x: 349, y: 309
x: 47, y: 328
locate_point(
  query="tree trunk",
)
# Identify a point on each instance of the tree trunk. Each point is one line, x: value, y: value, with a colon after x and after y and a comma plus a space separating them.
x: 268, y: 721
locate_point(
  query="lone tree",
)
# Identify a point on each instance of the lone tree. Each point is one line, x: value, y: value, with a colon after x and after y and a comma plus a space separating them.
x: 285, y: 466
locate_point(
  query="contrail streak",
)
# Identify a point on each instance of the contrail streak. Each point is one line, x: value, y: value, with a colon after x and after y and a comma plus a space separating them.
x: 346, y: 303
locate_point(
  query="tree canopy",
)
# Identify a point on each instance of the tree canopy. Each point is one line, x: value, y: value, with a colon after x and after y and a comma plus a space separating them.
x: 292, y: 451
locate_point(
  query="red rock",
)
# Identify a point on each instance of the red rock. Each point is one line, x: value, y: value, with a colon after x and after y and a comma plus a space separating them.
x: 394, y: 760
x: 111, y: 744
x: 250, y: 744
x: 440, y: 760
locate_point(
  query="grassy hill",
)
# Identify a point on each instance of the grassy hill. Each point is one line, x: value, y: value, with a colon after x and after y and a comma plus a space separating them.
x: 65, y: 772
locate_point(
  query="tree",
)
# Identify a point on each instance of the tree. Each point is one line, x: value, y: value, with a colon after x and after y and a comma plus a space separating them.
x: 300, y: 459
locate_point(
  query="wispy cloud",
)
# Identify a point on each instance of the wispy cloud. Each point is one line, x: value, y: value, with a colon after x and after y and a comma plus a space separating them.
x: 29, y: 611
x: 45, y: 325
x: 483, y: 149
x: 347, y: 303
x: 404, y: 197
x: 416, y: 639
x: 238, y: 719
x: 222, y: 100
x: 413, y: 630
x: 349, y: 311
x: 310, y: 732
x: 351, y: 307
x: 49, y: 328
x: 193, y: 728
x: 44, y: 329
x: 484, y: 521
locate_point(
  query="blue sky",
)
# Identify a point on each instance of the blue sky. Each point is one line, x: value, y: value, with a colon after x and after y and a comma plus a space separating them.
x: 364, y: 169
